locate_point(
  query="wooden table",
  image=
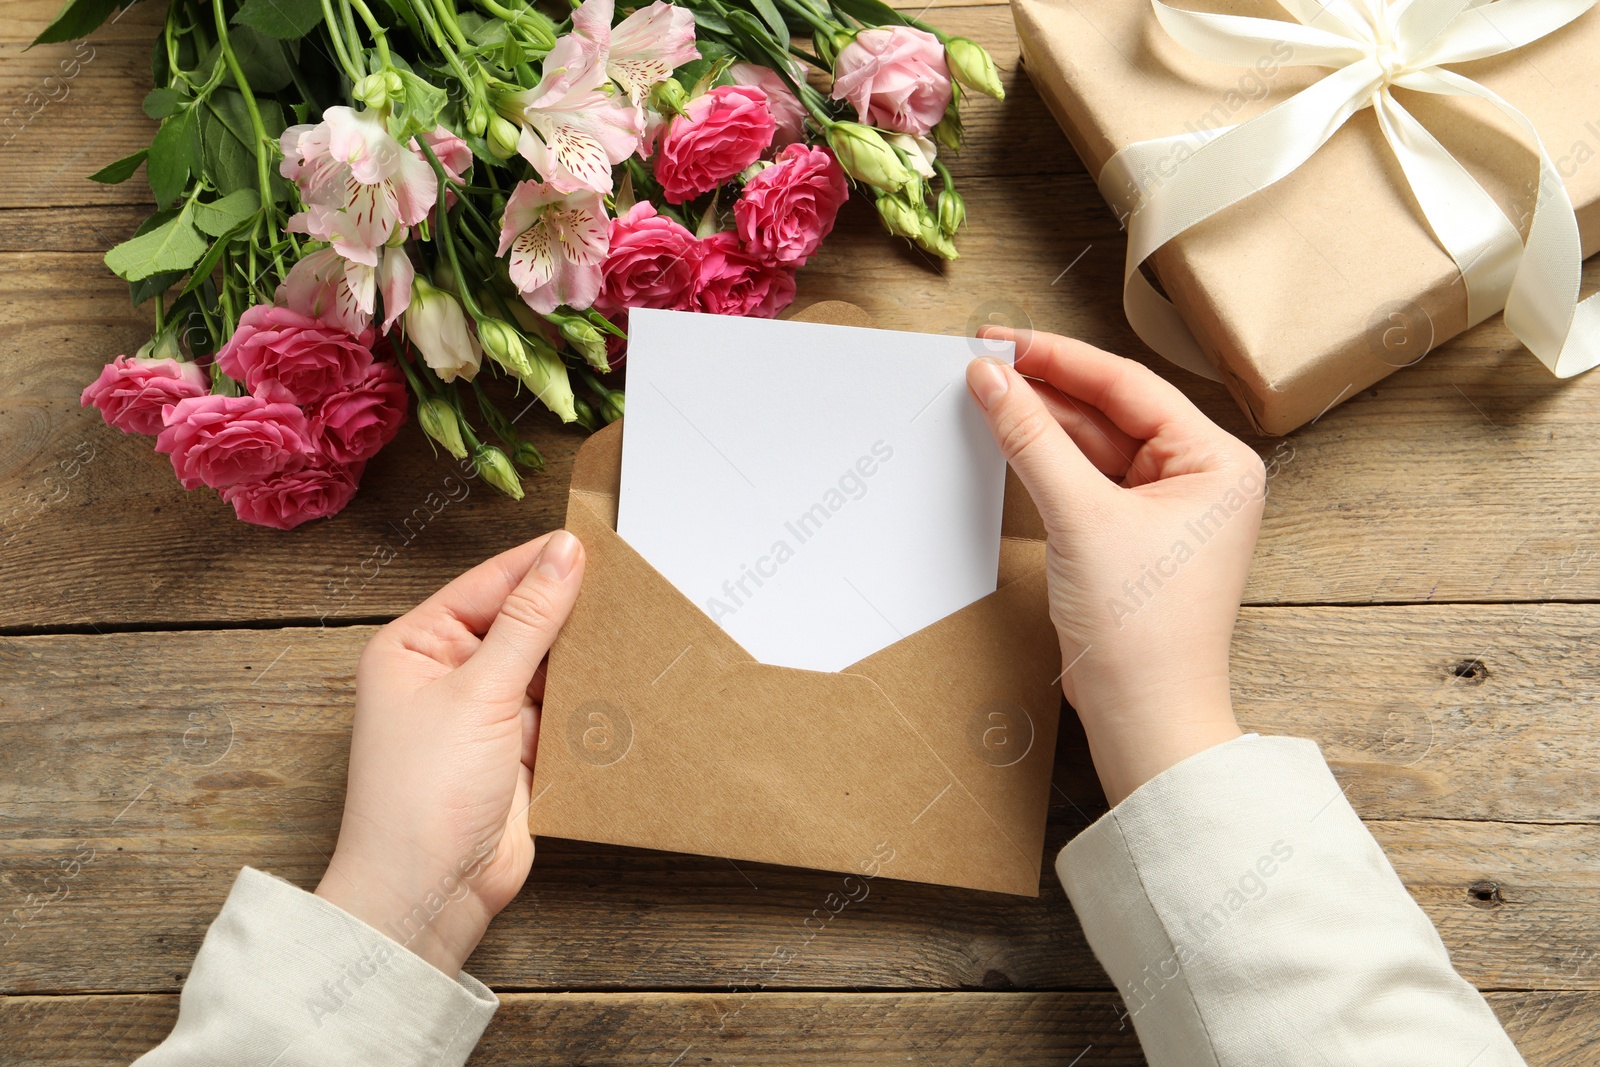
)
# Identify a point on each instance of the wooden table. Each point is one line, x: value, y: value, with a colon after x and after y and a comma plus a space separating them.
x: 175, y: 686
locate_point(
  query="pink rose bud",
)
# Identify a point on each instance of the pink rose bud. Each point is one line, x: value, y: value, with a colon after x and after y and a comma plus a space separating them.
x: 896, y: 78
x: 353, y: 424
x: 731, y: 281
x: 789, y: 207
x: 284, y: 501
x: 719, y: 134
x: 308, y: 357
x: 221, y: 440
x: 131, y: 392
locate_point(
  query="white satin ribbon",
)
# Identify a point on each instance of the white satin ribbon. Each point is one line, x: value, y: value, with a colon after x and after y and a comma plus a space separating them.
x: 1372, y: 46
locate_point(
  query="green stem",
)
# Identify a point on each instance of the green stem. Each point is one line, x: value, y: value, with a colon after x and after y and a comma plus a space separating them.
x: 379, y: 34
x: 352, y: 38
x: 337, y: 36
x: 447, y: 18
x: 263, y: 174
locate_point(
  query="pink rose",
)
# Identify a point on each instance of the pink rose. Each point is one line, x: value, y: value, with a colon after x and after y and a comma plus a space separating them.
x: 130, y: 393
x: 354, y: 423
x: 306, y: 356
x: 221, y: 440
x: 789, y: 207
x: 650, y: 264
x: 731, y: 281
x: 719, y: 134
x: 283, y: 501
x: 788, y: 113
x: 895, y: 78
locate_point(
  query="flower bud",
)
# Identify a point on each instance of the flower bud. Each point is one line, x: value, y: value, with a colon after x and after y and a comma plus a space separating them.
x: 586, y: 340
x: 973, y: 67
x: 373, y: 90
x: 439, y: 422
x: 504, y: 346
x: 952, y: 211
x: 547, y: 377
x: 899, y: 216
x: 496, y: 469
x: 477, y: 120
x: 614, y: 405
x: 668, y: 97
x: 528, y: 456
x: 934, y: 240
x: 586, y: 416
x: 436, y: 324
x: 503, y: 136
x: 161, y: 346
x: 866, y: 157
x: 948, y: 131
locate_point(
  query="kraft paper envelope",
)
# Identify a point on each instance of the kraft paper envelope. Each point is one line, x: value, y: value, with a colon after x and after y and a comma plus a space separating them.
x: 929, y: 760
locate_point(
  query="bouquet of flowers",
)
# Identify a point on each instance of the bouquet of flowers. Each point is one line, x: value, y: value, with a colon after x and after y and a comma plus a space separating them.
x: 365, y: 204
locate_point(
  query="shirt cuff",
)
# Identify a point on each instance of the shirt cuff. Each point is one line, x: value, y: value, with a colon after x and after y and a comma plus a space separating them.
x: 287, y: 978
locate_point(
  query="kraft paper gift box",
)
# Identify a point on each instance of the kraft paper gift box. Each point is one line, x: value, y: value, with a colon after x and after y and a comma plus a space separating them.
x: 1327, y: 281
x: 929, y: 760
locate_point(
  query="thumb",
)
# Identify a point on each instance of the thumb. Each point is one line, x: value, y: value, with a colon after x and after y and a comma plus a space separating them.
x: 1057, y: 475
x: 533, y: 613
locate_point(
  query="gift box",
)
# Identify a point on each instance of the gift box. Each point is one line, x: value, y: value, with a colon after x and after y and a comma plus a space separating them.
x: 1315, y: 284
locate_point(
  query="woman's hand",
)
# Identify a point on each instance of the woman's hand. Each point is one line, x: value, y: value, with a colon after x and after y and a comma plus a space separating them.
x: 1151, y: 512
x: 435, y: 835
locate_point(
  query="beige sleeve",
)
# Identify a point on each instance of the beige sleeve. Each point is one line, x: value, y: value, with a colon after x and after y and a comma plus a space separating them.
x: 1247, y: 917
x: 287, y: 979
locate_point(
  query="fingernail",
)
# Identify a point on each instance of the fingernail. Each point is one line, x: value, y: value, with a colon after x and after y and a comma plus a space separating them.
x: 558, y: 556
x: 988, y: 381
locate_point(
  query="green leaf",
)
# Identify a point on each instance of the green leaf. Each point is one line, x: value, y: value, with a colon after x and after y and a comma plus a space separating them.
x: 483, y: 31
x: 873, y: 13
x: 162, y: 102
x: 225, y: 215
x: 173, y: 246
x: 769, y: 14
x: 710, y: 20
x: 418, y: 111
x: 78, y: 18
x: 120, y: 171
x: 228, y: 141
x: 203, y: 269
x: 263, y: 60
x: 145, y: 288
x: 174, y: 155
x: 286, y: 20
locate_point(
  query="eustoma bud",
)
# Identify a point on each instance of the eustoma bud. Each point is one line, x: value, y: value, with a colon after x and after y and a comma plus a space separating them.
x: 504, y: 346
x: 899, y: 216
x: 952, y: 211
x: 526, y: 455
x: 584, y: 338
x: 496, y: 469
x: 973, y: 67
x: 614, y: 406
x: 439, y: 422
x: 867, y: 157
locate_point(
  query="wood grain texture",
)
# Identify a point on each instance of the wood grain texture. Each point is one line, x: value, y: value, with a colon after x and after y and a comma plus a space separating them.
x: 175, y: 783
x: 760, y: 1030
x: 1467, y: 477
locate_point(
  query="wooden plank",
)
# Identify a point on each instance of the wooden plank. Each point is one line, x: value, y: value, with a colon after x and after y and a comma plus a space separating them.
x: 839, y: 1029
x: 179, y: 757
x: 75, y: 107
x: 1462, y: 478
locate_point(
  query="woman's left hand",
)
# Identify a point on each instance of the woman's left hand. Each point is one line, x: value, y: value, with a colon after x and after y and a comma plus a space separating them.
x: 435, y: 835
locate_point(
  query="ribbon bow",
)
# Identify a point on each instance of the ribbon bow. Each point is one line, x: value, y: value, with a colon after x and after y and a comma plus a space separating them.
x: 1373, y: 46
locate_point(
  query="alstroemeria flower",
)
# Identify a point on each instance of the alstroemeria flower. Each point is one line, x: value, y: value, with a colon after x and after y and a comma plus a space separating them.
x: 358, y: 183
x: 327, y: 286
x: 558, y: 241
x: 575, y: 125
x: 642, y: 49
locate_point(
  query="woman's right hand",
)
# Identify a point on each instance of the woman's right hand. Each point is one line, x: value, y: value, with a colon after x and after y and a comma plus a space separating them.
x: 1151, y: 511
